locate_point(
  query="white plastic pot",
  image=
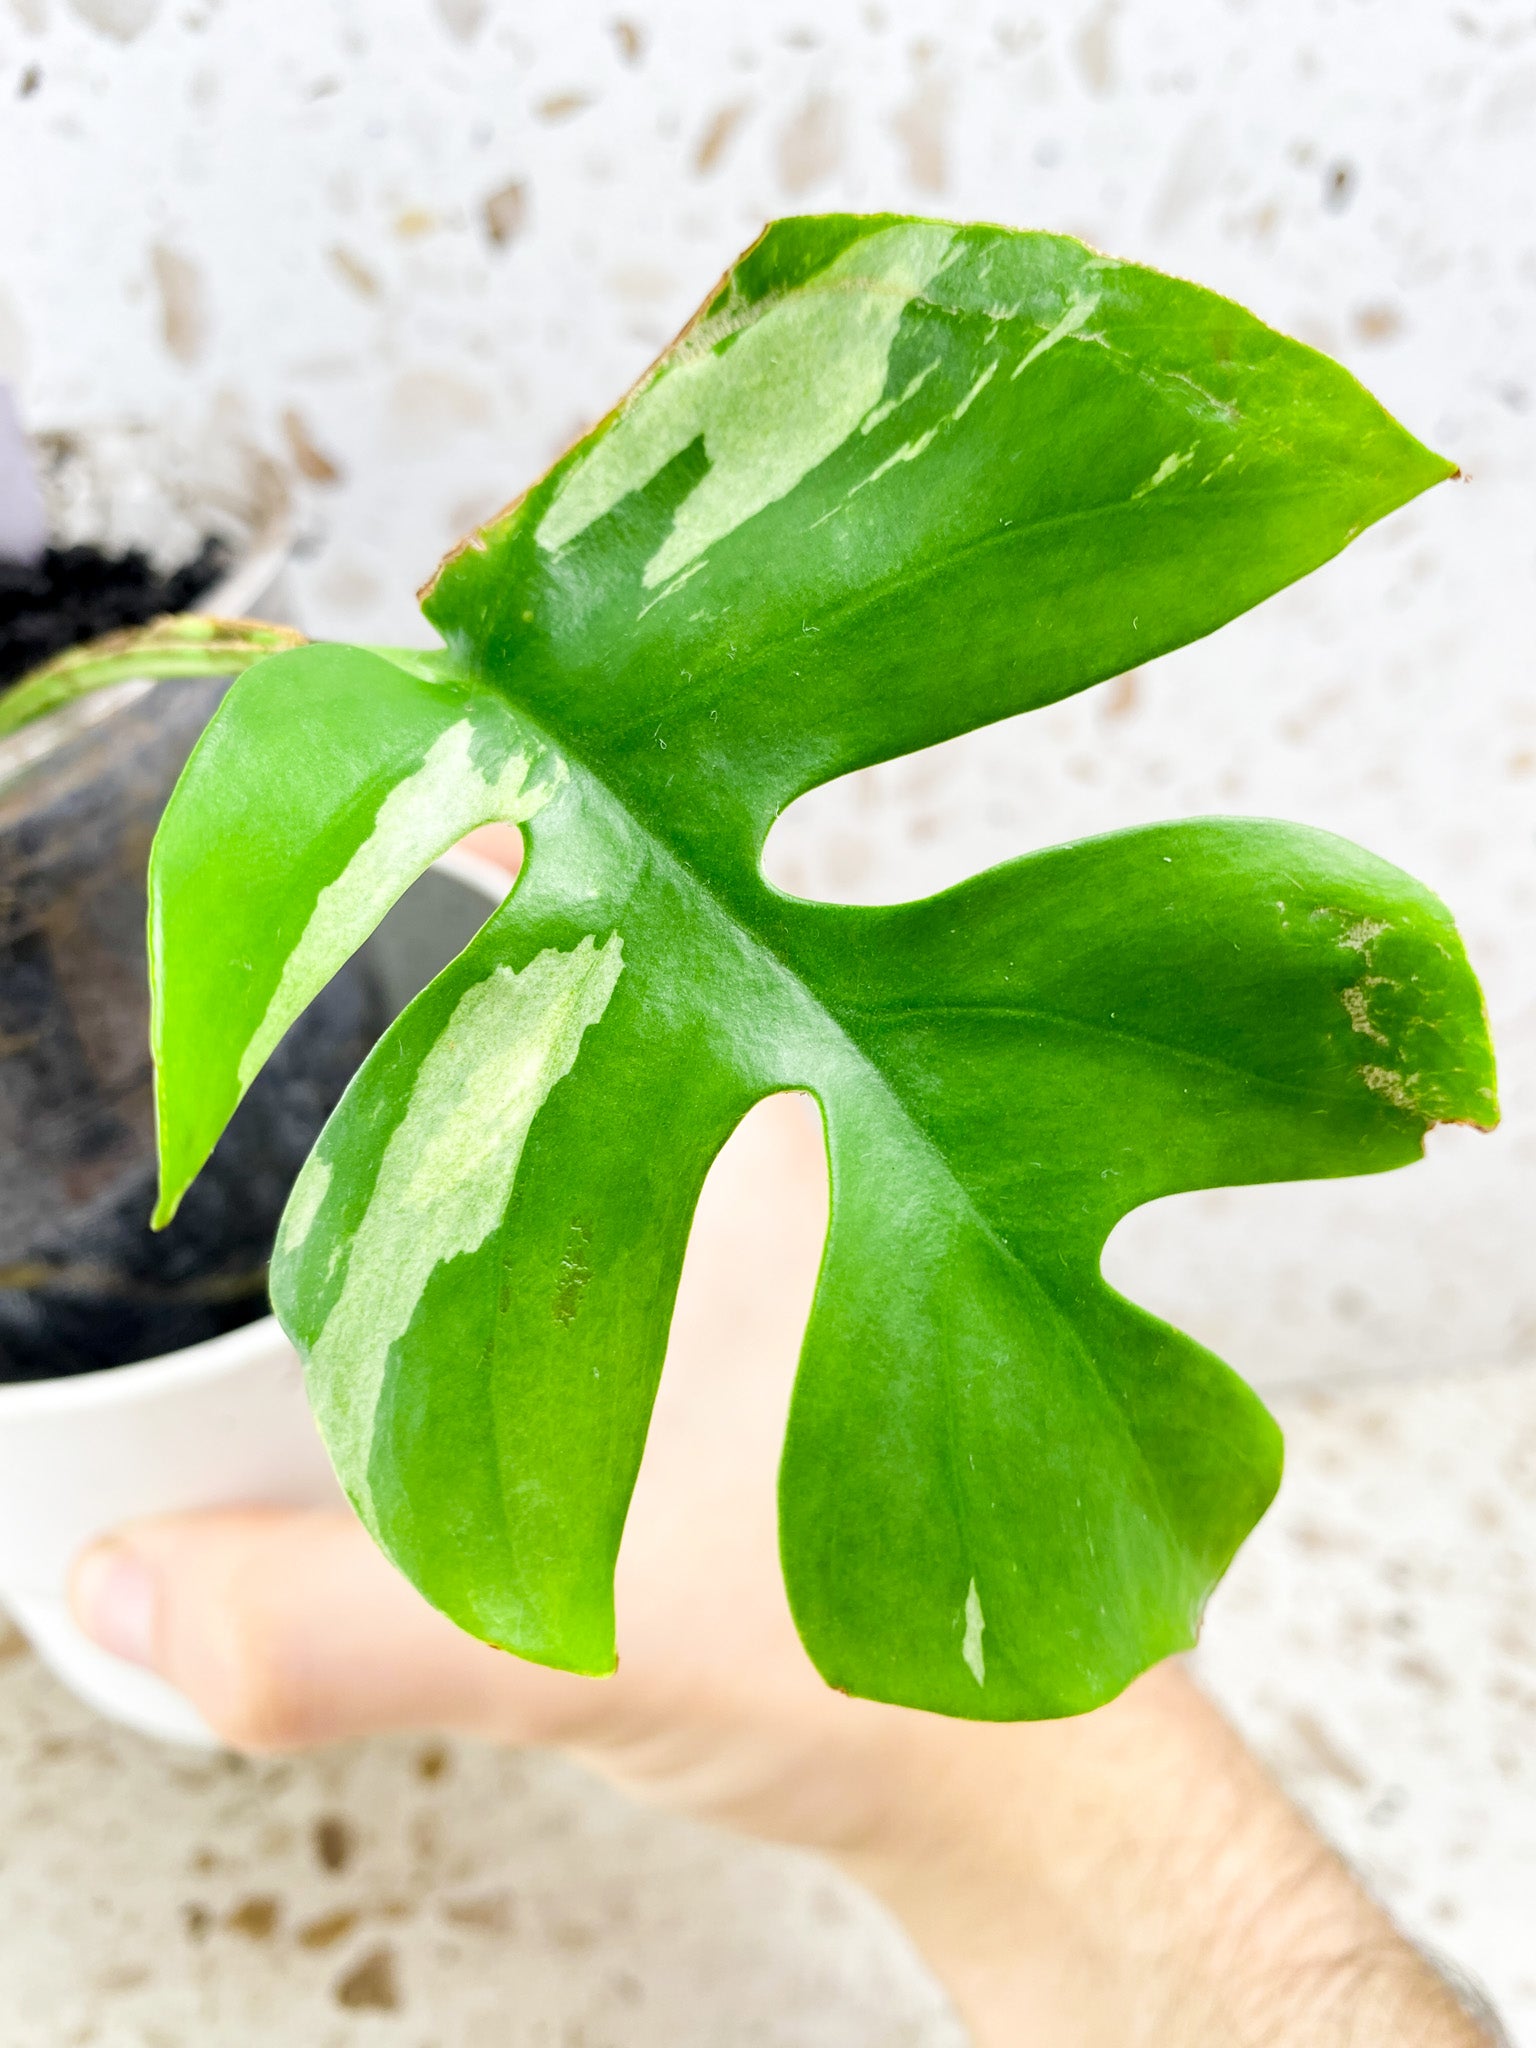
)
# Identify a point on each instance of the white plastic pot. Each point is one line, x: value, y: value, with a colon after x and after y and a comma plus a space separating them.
x: 220, y: 1424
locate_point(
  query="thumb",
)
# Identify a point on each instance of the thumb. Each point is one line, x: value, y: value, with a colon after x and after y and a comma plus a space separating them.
x: 286, y: 1629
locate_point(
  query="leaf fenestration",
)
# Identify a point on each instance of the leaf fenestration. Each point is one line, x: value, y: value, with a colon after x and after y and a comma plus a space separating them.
x: 898, y: 480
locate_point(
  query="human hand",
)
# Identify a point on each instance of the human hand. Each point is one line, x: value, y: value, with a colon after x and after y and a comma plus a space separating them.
x: 1130, y: 1877
x: 291, y: 1628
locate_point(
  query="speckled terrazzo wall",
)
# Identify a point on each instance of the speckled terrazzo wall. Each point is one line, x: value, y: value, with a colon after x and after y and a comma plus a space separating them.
x: 410, y: 249
x: 404, y: 1895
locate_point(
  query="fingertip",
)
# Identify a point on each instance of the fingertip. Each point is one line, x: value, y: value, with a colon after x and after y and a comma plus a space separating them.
x: 213, y: 1603
x: 287, y: 1628
x: 114, y: 1596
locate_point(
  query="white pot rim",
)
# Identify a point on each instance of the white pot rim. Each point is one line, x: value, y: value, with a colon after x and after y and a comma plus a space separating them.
x: 125, y: 1384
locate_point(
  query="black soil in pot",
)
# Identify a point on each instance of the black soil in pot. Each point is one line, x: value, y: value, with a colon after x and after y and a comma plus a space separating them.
x: 79, y: 593
x: 84, y: 1283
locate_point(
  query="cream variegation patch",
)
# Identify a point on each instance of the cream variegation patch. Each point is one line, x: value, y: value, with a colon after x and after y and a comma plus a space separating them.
x: 304, y: 1201
x: 785, y: 394
x: 420, y: 818
x: 975, y: 1627
x: 448, y: 1170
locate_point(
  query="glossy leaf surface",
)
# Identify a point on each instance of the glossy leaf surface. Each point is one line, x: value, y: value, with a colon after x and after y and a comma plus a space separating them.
x: 897, y: 481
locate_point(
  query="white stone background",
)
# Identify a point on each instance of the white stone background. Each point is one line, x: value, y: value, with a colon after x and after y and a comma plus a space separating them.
x: 411, y: 249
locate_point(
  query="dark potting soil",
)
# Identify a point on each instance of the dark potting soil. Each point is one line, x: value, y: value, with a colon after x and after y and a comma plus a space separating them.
x: 99, y: 1288
x: 84, y: 1283
x: 78, y: 593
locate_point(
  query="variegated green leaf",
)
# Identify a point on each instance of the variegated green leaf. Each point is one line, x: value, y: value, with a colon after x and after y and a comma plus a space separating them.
x: 399, y: 765
x: 899, y: 479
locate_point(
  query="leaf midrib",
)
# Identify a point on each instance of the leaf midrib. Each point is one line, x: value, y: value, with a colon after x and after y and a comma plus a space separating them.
x: 787, y: 970
x: 1113, y: 1029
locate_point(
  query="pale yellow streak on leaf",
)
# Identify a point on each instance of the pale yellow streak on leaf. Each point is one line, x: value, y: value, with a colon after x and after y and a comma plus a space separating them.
x: 420, y: 818
x: 786, y: 393
x: 448, y: 1171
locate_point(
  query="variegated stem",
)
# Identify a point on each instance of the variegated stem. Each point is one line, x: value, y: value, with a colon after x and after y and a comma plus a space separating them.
x: 184, y: 644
